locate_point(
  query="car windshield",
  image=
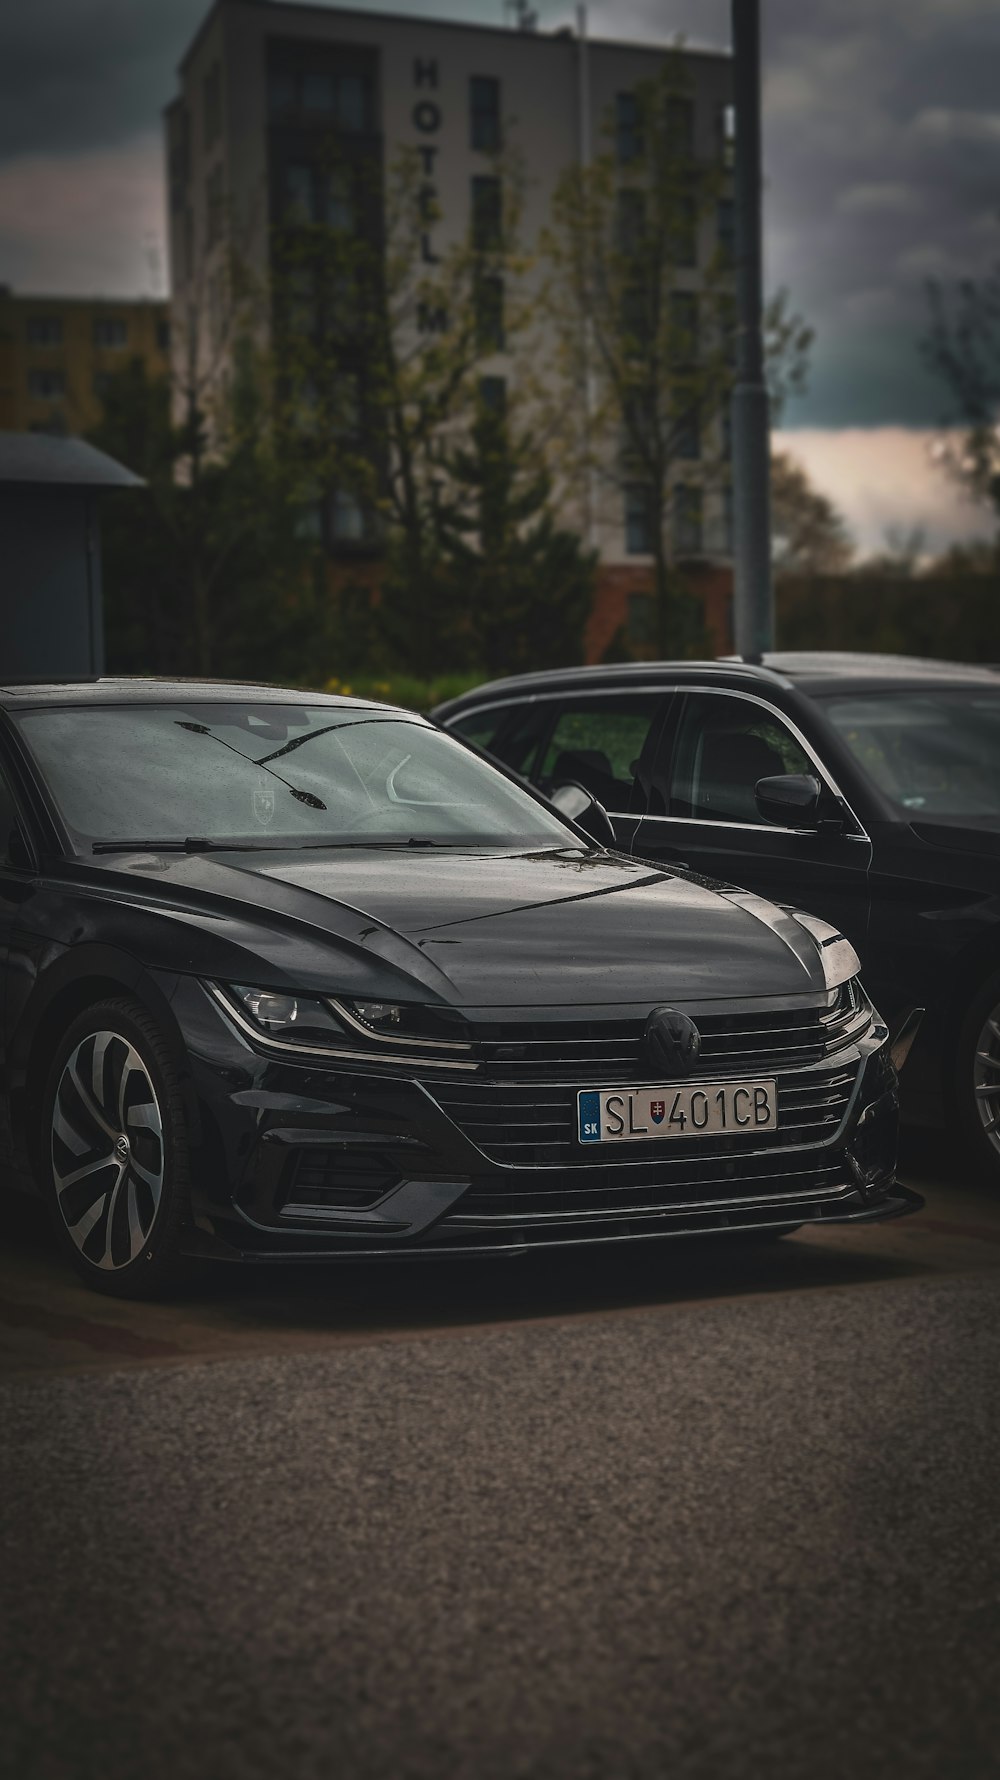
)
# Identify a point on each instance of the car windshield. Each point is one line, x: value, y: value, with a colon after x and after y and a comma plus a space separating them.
x: 274, y: 775
x: 936, y: 752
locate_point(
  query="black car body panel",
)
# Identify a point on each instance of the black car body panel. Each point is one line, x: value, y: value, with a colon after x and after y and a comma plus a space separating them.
x: 555, y: 958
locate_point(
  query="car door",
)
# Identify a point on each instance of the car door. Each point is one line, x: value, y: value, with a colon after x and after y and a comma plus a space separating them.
x: 711, y: 755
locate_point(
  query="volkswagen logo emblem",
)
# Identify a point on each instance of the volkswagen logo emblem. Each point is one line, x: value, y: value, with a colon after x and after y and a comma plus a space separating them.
x: 673, y: 1042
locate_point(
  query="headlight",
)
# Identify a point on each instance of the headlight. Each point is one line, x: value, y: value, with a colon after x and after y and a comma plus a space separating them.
x: 339, y: 1027
x: 299, y: 1019
x: 403, y: 1023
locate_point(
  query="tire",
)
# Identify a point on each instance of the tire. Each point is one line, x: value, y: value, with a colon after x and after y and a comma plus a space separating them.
x: 977, y: 1080
x: 114, y: 1147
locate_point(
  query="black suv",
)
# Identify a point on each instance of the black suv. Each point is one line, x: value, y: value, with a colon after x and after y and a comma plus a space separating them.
x: 863, y: 788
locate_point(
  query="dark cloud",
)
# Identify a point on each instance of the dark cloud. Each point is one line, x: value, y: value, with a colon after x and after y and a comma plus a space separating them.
x: 882, y: 141
x: 882, y: 151
x: 86, y: 74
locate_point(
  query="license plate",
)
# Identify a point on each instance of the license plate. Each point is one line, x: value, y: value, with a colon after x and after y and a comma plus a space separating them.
x: 624, y: 1115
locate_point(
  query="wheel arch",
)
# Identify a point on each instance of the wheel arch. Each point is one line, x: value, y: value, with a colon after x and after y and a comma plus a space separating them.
x: 72, y: 984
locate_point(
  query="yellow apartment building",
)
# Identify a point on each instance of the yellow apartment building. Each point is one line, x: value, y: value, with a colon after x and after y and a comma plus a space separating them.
x: 57, y: 353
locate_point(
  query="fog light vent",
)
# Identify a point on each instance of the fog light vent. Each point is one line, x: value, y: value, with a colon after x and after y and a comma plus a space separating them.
x: 317, y: 1180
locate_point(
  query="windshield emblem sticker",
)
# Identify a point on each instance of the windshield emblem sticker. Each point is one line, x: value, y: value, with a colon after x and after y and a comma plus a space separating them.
x: 263, y: 801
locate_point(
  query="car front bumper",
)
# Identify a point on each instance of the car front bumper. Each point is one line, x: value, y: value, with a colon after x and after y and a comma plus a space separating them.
x: 298, y: 1161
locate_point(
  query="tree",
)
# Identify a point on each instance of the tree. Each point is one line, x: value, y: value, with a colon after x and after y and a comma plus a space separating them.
x: 645, y: 353
x: 381, y: 373
x: 962, y: 348
x: 527, y: 586
x: 809, y: 535
x: 205, y: 573
x: 641, y: 360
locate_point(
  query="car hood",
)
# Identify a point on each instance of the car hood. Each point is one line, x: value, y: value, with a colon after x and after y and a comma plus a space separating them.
x: 482, y: 929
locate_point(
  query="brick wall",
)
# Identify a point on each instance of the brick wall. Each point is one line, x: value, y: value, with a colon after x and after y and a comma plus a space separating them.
x: 617, y: 583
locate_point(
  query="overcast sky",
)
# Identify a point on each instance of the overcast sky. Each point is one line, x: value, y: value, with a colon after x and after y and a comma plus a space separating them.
x: 882, y: 151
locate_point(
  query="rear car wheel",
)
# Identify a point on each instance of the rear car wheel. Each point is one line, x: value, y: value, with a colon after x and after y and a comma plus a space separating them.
x: 115, y: 1151
x: 978, y: 1078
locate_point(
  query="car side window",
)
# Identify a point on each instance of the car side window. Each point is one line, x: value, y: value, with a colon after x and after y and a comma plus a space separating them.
x: 723, y: 746
x: 511, y: 733
x: 599, y: 743
x: 479, y: 727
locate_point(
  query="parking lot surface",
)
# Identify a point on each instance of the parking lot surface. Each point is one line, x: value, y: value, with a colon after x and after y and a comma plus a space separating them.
x: 701, y: 1510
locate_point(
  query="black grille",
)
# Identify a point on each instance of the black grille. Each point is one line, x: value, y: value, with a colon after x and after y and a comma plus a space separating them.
x: 536, y: 1126
x: 318, y: 1180
x: 608, y: 1052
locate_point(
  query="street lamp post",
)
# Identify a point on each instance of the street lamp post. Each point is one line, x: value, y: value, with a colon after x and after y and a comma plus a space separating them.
x: 754, y: 593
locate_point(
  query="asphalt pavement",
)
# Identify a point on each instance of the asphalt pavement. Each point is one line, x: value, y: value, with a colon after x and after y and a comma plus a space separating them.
x: 709, y: 1512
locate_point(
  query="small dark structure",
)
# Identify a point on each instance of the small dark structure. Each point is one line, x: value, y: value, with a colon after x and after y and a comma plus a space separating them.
x: 51, y: 624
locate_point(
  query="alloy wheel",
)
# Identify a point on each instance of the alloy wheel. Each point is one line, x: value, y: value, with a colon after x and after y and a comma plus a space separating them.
x: 107, y: 1150
x: 986, y: 1078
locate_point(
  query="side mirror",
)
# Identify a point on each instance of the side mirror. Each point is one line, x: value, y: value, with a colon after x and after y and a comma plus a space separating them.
x: 790, y: 799
x: 581, y: 806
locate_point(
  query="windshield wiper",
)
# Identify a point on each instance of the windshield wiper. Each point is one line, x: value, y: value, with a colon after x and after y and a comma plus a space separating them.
x: 192, y: 843
x: 306, y: 797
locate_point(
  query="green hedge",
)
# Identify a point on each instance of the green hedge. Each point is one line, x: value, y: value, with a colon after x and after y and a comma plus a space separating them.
x: 956, y: 618
x: 405, y: 689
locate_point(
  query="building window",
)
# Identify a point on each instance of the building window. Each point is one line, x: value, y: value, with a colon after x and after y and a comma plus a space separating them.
x: 639, y: 623
x: 44, y: 330
x: 640, y: 425
x: 725, y: 128
x: 726, y: 227
x: 110, y: 330
x: 211, y: 93
x: 687, y: 425
x: 281, y: 92
x: 298, y: 206
x: 489, y: 314
x: 630, y: 219
x: 338, y: 193
x: 347, y: 518
x: 633, y: 315
x: 687, y: 520
x: 680, y: 127
x: 340, y: 98
x: 214, y: 206
x: 684, y: 233
x: 628, y: 128
x: 484, y: 114
x: 683, y: 327
x: 487, y: 213
x: 318, y: 94
x: 493, y: 395
x: 638, y: 519
x: 46, y: 385
x: 163, y: 336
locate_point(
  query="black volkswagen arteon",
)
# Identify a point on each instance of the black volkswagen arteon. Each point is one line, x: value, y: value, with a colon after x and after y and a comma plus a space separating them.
x: 292, y: 976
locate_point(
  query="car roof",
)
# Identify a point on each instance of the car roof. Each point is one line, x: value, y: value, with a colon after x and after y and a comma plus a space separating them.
x: 814, y: 671
x: 124, y: 689
x: 840, y: 669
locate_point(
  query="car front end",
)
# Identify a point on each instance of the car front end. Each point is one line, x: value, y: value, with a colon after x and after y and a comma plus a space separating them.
x: 353, y: 1145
